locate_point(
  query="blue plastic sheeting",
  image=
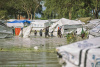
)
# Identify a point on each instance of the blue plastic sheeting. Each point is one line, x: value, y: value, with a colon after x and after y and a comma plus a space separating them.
x: 20, y: 21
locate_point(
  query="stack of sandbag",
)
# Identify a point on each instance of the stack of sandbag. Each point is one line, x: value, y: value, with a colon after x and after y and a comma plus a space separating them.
x: 80, y: 54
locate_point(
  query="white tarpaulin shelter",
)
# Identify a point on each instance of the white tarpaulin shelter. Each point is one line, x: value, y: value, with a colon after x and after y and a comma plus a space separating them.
x: 18, y: 23
x: 93, y: 23
x: 26, y: 31
x: 80, y: 54
x: 5, y: 31
x: 95, y: 32
x: 53, y: 20
x: 50, y: 22
x: 69, y: 25
x: 38, y: 24
x: 80, y: 30
x: 10, y: 20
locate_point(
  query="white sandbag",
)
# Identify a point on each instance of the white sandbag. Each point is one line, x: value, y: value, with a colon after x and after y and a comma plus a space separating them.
x: 93, y: 58
x: 73, y: 53
x: 84, y: 55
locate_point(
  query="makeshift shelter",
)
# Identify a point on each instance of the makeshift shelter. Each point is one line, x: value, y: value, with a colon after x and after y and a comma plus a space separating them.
x: 95, y: 32
x: 80, y: 30
x: 25, y: 32
x: 66, y: 26
x: 93, y: 23
x: 10, y: 20
x: 4, y: 30
x: 80, y: 54
x: 50, y: 22
x: 18, y: 23
x: 39, y: 24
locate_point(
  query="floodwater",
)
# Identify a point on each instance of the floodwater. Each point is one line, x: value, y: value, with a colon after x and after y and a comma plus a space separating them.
x: 30, y: 59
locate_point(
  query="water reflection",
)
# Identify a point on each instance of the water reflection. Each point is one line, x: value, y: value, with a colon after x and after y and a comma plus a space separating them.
x: 31, y: 59
x: 42, y: 59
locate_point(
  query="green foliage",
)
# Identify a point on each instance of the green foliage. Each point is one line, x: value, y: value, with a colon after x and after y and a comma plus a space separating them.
x: 24, y: 49
x: 54, y: 8
x: 3, y: 14
x: 71, y: 38
x: 23, y: 7
x: 76, y: 8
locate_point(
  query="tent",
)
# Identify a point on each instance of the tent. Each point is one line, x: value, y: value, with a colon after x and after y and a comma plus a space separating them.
x: 39, y: 24
x: 95, y: 32
x: 50, y: 22
x: 25, y: 31
x: 93, y: 23
x: 18, y: 23
x: 4, y: 30
x: 10, y: 20
x: 80, y: 54
x: 66, y: 25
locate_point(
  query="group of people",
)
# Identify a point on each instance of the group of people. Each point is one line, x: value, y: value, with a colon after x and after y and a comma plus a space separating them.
x: 46, y: 32
x: 40, y: 32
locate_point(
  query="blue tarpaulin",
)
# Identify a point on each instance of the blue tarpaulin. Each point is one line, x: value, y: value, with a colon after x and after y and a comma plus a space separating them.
x: 20, y: 21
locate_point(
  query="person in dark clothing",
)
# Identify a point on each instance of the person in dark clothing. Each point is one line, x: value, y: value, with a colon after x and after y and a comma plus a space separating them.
x: 52, y: 34
x: 35, y: 32
x: 46, y: 32
x: 59, y: 33
x: 22, y: 32
x: 13, y: 30
x: 40, y: 32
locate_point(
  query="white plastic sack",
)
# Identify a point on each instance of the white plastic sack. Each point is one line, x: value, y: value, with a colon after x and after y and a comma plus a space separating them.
x: 71, y: 53
x: 93, y: 58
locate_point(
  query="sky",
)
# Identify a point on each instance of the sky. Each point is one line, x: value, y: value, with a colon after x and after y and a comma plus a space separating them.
x: 43, y: 8
x: 39, y: 15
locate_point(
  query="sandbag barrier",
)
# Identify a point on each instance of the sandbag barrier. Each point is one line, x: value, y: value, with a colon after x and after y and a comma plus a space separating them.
x: 81, y: 54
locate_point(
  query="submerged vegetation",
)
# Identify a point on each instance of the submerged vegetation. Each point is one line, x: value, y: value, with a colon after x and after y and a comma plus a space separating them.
x: 23, y: 65
x: 24, y: 49
x: 71, y: 37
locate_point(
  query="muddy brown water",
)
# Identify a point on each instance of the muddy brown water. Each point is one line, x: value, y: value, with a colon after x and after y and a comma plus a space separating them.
x: 30, y: 59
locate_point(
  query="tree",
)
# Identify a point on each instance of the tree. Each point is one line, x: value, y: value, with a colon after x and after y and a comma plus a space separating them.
x: 96, y: 7
x: 3, y: 7
x: 27, y: 6
x: 62, y: 8
x: 72, y: 8
x: 37, y: 5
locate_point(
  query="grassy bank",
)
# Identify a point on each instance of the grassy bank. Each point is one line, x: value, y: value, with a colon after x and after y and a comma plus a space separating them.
x: 24, y: 49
